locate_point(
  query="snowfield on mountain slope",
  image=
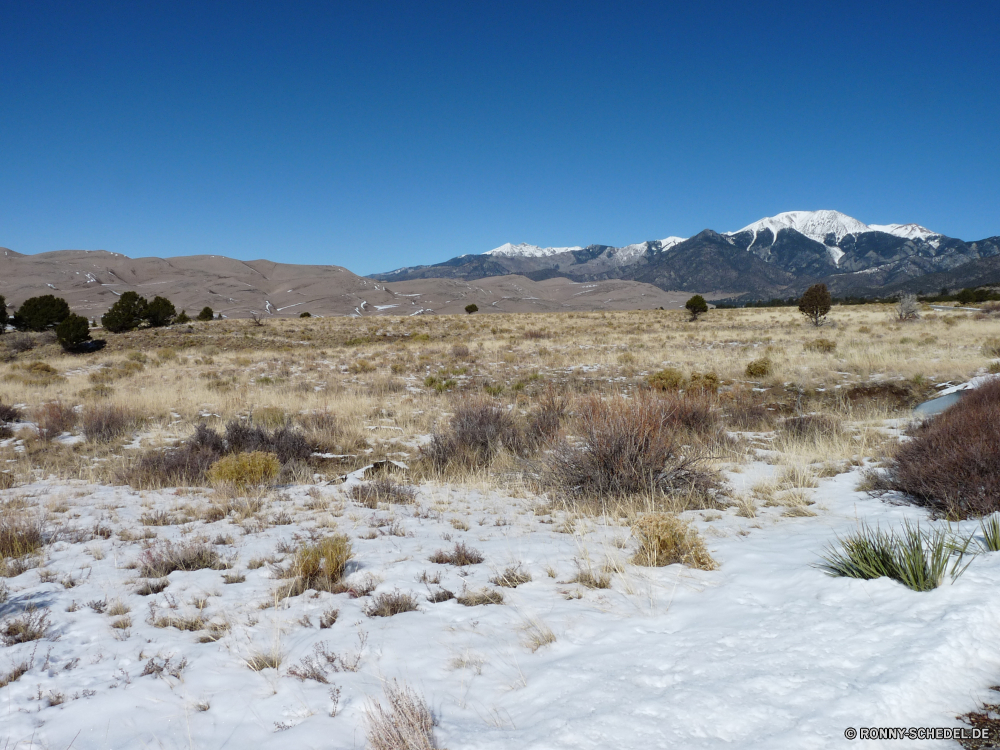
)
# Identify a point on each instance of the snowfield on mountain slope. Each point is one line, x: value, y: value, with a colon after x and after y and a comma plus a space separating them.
x: 765, y: 652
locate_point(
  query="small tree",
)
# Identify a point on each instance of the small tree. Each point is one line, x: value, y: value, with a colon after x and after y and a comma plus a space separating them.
x: 815, y: 303
x: 305, y: 315
x: 182, y: 318
x: 160, y: 312
x: 126, y: 314
x: 471, y: 309
x: 966, y: 296
x: 4, y: 317
x: 696, y: 306
x: 72, y: 332
x: 41, y: 313
x: 206, y: 313
x: 907, y: 307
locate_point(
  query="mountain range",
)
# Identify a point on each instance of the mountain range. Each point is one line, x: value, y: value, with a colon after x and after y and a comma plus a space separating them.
x: 777, y: 256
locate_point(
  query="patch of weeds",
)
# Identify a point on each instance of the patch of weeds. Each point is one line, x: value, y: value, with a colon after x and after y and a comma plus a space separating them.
x: 404, y: 722
x: 460, y: 555
x: 391, y: 603
x: 319, y: 566
x: 592, y: 579
x: 154, y: 586
x: 665, y: 539
x: 162, y: 560
x: 328, y: 618
x: 511, y: 577
x: 441, y: 595
x: 478, y: 598
x: 382, y: 490
x: 31, y: 625
x: 234, y: 577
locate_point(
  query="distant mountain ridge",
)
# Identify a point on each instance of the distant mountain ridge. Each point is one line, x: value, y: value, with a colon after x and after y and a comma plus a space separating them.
x: 775, y: 256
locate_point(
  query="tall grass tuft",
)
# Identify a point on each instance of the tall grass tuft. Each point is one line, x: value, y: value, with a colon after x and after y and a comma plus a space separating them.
x: 917, y: 558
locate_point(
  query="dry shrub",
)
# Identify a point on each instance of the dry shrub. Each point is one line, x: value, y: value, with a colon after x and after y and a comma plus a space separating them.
x: 19, y: 342
x: 479, y: 598
x: 991, y: 348
x: 811, y: 426
x: 665, y: 539
x: 285, y: 443
x: 629, y: 447
x: 703, y: 382
x: 36, y: 374
x: 759, y: 368
x: 405, y: 723
x: 460, y: 555
x: 391, y: 603
x: 895, y: 396
x: 31, y: 625
x: 382, y: 490
x: 53, y: 419
x: 245, y: 471
x: 511, y: 578
x: 823, y: 346
x: 535, y: 334
x: 477, y: 431
x: 460, y: 351
x: 10, y: 413
x: 320, y: 566
x: 668, y: 379
x: 952, y: 463
x: 745, y: 409
x: 20, y: 534
x: 164, y: 559
x: 105, y: 423
x: 545, y: 420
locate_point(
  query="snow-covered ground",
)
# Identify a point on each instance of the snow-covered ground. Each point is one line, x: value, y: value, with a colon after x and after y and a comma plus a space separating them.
x: 765, y: 652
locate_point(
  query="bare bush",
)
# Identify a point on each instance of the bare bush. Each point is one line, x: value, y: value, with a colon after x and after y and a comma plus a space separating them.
x: 477, y: 431
x: 404, y: 723
x: 162, y: 560
x: 627, y: 447
x: 20, y: 534
x: 286, y: 443
x: 952, y: 464
x: 31, y: 625
x: 546, y: 419
x: 19, y: 342
x: 907, y: 307
x: 480, y: 598
x: 10, y: 413
x: 382, y: 490
x: 391, y: 603
x: 511, y: 578
x: 105, y: 423
x: 460, y: 555
x: 53, y: 419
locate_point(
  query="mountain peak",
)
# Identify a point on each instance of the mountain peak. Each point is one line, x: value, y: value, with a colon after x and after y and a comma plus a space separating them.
x: 524, y: 250
x: 818, y: 225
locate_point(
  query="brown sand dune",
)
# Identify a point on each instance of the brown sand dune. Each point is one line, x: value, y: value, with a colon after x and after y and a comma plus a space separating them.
x: 91, y: 280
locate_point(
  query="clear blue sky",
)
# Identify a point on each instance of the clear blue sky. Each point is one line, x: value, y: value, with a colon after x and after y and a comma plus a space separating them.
x: 374, y: 135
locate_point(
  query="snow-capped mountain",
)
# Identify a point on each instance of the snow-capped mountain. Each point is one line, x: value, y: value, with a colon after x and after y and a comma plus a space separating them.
x: 771, y: 256
x: 524, y: 250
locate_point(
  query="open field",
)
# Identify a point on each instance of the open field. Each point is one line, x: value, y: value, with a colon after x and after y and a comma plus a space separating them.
x: 182, y: 559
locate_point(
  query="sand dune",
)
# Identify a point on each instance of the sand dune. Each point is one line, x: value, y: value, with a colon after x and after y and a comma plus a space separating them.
x: 91, y: 281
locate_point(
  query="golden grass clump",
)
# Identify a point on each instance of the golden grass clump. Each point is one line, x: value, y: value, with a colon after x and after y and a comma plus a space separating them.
x: 245, y: 471
x: 320, y: 566
x: 665, y: 539
x: 404, y: 723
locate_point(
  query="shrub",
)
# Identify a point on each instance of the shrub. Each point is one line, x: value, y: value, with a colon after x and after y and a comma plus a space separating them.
x: 382, y: 490
x: 665, y: 539
x: 4, y: 316
x: 991, y: 348
x: 32, y: 625
x: 696, y: 306
x: 627, y: 447
x: 127, y: 314
x: 162, y: 560
x: 477, y: 431
x: 20, y: 535
x: 19, y: 342
x: 460, y: 555
x: 545, y: 420
x: 460, y: 351
x: 907, y: 307
x: 305, y: 315
x: 479, y: 598
x: 471, y: 309
x: 823, y: 346
x: 9, y: 413
x: 285, y: 443
x: 182, y: 318
x: 511, y: 578
x: 160, y: 312
x: 918, y: 559
x: 206, y: 314
x: 391, y: 603
x: 320, y: 566
x: 815, y: 304
x: 41, y: 313
x: 811, y: 426
x: 759, y: 368
x: 105, y: 423
x: 245, y: 471
x: 53, y: 419
x: 405, y: 723
x: 952, y: 465
x: 72, y: 332
x: 667, y: 379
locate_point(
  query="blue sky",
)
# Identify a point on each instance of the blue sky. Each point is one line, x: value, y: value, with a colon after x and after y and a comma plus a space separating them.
x: 374, y: 135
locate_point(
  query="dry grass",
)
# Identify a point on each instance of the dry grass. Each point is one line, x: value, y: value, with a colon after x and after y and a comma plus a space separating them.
x: 391, y: 603
x: 460, y: 555
x: 105, y: 423
x: 31, y: 625
x: 244, y: 472
x: 319, y: 567
x: 383, y: 490
x: 21, y: 534
x: 162, y: 560
x: 665, y: 539
x: 403, y: 723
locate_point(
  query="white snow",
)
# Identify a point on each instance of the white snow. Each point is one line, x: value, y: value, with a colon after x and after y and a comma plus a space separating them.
x: 524, y: 250
x: 765, y: 653
x: 909, y: 231
x: 817, y: 225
